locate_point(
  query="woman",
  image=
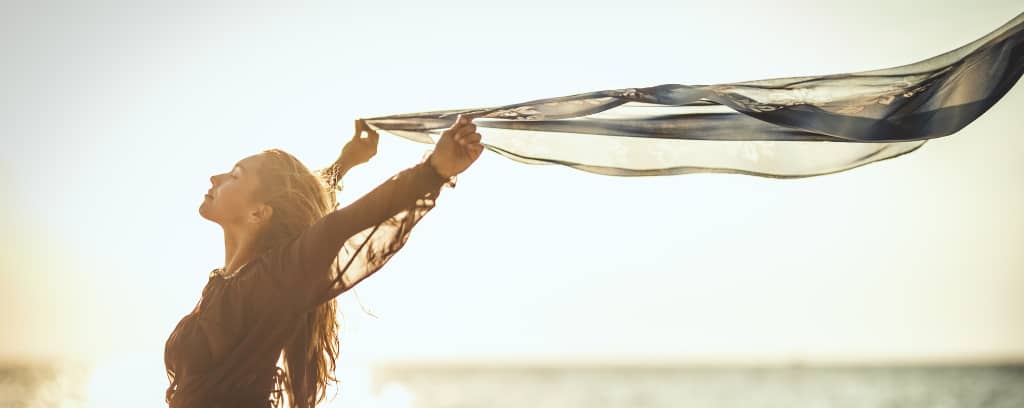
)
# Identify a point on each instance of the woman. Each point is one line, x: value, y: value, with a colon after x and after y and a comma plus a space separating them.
x: 288, y: 254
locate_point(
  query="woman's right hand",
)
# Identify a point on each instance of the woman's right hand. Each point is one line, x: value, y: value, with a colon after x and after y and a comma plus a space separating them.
x: 360, y: 149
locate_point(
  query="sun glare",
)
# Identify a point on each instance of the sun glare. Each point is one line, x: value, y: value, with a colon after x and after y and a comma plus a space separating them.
x: 131, y: 380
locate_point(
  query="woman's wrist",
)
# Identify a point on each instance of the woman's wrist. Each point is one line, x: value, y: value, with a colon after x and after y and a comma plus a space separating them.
x: 349, y: 162
x: 438, y: 175
x: 431, y: 161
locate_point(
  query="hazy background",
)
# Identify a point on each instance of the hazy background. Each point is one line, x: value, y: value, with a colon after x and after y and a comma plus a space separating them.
x: 115, y: 114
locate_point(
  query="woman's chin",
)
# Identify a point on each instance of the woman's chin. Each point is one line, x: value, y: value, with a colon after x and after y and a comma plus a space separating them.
x: 202, y: 210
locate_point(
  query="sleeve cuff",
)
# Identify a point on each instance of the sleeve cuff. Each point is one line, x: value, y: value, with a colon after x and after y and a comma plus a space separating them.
x: 431, y: 174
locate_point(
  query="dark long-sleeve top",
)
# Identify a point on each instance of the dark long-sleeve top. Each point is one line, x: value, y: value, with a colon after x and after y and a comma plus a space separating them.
x: 225, y: 352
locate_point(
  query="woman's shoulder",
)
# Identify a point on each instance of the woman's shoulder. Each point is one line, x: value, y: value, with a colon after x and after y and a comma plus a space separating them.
x: 258, y: 284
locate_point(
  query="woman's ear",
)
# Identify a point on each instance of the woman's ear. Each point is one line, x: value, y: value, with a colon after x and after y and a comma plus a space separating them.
x: 261, y: 214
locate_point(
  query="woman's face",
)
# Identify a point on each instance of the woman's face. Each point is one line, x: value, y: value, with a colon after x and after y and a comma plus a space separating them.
x: 231, y: 199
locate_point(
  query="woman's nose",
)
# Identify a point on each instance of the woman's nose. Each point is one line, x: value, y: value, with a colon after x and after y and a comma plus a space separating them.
x: 213, y: 180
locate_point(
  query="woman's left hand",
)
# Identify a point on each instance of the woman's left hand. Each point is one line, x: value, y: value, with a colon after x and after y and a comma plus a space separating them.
x: 360, y: 149
x: 457, y: 148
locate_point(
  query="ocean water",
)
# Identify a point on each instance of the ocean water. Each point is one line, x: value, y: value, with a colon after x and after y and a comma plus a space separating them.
x: 668, y: 386
x: 464, y: 386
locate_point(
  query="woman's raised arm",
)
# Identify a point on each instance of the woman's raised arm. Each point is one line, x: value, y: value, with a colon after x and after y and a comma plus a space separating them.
x: 349, y: 244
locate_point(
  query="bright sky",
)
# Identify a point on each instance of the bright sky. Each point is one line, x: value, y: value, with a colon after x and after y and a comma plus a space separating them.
x: 115, y: 115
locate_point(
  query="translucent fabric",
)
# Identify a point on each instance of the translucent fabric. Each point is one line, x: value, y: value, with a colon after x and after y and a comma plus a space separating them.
x: 786, y: 127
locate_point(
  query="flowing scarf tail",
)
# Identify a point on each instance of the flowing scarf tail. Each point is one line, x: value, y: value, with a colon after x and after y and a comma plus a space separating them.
x: 784, y: 127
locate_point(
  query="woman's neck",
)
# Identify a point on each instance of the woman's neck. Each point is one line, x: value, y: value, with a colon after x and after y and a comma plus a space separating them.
x: 239, y: 249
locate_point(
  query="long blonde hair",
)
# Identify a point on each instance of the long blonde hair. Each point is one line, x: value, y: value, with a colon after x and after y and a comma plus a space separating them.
x: 300, y: 198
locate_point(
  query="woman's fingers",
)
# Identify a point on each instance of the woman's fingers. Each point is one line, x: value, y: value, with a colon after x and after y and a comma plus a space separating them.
x: 452, y: 131
x: 471, y: 138
x: 461, y: 123
x: 362, y: 126
x: 359, y: 128
x: 468, y: 139
x: 474, y: 150
x: 464, y: 131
